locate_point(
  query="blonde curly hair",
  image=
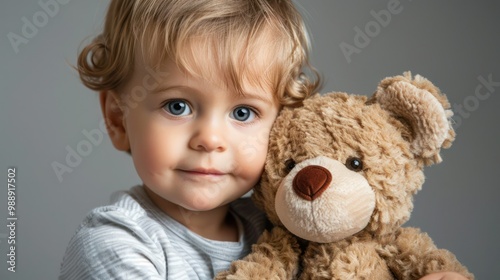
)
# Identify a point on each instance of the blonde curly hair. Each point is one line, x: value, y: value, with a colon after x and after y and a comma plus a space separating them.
x: 259, y: 41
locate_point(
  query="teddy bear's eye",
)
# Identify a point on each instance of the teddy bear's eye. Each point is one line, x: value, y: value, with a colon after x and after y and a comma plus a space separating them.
x: 289, y: 165
x: 354, y: 164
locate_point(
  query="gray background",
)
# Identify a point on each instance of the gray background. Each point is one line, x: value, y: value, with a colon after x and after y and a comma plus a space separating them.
x: 44, y: 109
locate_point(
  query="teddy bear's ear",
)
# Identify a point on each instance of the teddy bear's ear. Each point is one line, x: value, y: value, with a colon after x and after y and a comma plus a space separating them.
x: 423, y: 109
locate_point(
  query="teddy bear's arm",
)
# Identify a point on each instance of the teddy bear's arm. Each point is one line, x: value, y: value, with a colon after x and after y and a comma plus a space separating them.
x: 275, y: 256
x: 413, y: 255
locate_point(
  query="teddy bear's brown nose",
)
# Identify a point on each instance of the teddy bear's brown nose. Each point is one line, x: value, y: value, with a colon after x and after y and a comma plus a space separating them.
x: 311, y: 182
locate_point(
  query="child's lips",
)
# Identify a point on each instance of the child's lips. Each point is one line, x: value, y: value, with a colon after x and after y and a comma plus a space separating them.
x: 207, y: 173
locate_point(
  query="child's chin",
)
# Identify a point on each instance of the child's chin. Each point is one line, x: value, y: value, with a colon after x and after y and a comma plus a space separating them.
x: 203, y: 205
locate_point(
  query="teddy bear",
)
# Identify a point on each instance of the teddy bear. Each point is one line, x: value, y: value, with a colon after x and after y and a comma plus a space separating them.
x: 339, y: 181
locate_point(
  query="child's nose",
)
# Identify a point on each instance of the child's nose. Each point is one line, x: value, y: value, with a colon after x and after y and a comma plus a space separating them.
x: 208, y: 137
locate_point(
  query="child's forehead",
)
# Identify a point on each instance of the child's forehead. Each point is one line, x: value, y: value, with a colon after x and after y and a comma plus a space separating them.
x: 166, y: 72
x: 248, y: 68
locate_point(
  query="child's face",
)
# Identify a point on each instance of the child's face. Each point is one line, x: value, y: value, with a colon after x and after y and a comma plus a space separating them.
x: 195, y: 143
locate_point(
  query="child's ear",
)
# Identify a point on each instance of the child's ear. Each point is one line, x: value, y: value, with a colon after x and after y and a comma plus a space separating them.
x: 113, y: 113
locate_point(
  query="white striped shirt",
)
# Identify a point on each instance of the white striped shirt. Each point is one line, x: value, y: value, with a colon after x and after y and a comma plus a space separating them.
x: 133, y: 239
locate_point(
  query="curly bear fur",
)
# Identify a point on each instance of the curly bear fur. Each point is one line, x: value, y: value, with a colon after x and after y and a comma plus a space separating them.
x: 339, y: 182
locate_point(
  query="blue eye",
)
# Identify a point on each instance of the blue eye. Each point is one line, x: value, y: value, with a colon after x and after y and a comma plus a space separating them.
x: 177, y: 108
x: 243, y: 114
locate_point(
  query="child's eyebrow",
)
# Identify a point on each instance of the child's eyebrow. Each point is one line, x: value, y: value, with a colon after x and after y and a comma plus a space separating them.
x: 160, y: 89
x: 246, y: 95
x: 251, y: 95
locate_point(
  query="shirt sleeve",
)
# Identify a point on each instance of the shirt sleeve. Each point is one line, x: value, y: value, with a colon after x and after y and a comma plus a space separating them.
x: 111, y: 245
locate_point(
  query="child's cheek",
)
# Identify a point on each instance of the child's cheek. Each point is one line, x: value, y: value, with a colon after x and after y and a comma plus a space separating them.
x: 150, y: 154
x: 252, y: 155
x: 253, y: 148
x: 144, y: 161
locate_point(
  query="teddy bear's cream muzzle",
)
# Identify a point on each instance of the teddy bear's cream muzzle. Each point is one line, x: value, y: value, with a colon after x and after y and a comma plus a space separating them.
x: 321, y: 200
